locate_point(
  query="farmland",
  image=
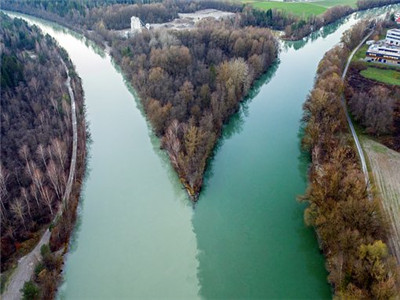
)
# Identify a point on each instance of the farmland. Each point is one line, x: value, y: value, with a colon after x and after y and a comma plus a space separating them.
x: 303, y: 9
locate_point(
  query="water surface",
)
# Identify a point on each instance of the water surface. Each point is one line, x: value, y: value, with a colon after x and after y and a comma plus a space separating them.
x: 138, y: 235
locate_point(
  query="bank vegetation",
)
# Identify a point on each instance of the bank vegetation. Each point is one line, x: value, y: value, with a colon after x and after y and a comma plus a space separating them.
x: 36, y: 141
x: 351, y: 228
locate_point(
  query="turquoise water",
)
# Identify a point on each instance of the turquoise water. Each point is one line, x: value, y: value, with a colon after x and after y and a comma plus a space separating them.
x: 138, y: 236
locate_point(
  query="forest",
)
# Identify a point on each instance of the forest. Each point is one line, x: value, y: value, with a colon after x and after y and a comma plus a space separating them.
x: 351, y: 228
x: 36, y: 141
x: 191, y: 82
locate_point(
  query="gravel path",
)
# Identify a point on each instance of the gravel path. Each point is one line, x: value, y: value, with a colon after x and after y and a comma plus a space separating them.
x: 385, y: 166
x: 24, y: 270
x: 353, y: 132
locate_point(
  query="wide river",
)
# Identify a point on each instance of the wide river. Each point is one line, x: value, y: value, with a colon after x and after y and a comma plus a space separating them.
x: 138, y: 235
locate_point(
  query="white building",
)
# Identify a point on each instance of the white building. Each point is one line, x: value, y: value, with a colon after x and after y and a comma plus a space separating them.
x: 393, y: 37
x: 384, y: 53
x: 136, y: 25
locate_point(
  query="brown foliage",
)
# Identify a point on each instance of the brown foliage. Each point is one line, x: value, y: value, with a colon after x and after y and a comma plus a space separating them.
x: 351, y: 228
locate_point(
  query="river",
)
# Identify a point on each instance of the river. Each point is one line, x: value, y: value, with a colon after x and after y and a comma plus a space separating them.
x: 138, y: 235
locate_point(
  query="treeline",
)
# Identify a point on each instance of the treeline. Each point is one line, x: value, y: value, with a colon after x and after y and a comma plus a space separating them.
x: 352, y: 229
x: 367, y: 4
x: 115, y: 14
x: 191, y: 82
x: 36, y: 133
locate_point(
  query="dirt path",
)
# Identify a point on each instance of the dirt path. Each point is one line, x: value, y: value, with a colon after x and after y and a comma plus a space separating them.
x: 385, y: 167
x: 26, y: 264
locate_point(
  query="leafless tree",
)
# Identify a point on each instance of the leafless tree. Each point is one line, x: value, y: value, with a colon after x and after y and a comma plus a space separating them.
x: 41, y: 152
x: 53, y: 175
x: 25, y: 196
x: 47, y: 198
x: 18, y: 209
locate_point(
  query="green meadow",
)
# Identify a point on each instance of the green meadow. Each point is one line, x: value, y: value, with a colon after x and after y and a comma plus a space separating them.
x: 303, y: 9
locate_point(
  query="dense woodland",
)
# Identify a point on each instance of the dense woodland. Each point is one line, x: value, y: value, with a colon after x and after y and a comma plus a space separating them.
x: 36, y: 139
x: 352, y: 229
x: 190, y: 82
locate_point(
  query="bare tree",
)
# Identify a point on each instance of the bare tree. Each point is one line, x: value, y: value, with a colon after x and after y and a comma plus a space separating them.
x: 47, y: 198
x: 59, y: 149
x: 18, y: 209
x: 25, y: 196
x: 3, y: 186
x: 41, y: 152
x: 53, y: 176
x: 24, y: 153
x: 34, y: 192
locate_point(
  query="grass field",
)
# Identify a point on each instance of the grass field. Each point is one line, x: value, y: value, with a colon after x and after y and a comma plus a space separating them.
x: 303, y: 9
x: 386, y: 76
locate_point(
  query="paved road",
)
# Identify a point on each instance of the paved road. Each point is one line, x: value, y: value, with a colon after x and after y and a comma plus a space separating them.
x: 353, y: 132
x: 26, y: 264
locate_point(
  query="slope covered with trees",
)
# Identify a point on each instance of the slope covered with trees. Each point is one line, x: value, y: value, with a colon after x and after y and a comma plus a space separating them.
x: 36, y: 134
x: 351, y: 228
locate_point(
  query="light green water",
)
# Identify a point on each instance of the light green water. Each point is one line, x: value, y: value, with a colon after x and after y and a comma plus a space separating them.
x: 138, y: 235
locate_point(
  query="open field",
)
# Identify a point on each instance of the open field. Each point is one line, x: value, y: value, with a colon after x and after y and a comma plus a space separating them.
x: 388, y: 76
x: 305, y: 9
x: 385, y: 167
x: 299, y: 8
x: 332, y: 3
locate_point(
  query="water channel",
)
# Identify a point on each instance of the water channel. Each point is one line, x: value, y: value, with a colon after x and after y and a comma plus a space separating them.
x: 138, y: 236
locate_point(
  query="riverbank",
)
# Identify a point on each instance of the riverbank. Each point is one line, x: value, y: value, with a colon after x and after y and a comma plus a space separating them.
x: 350, y: 225
x: 62, y: 220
